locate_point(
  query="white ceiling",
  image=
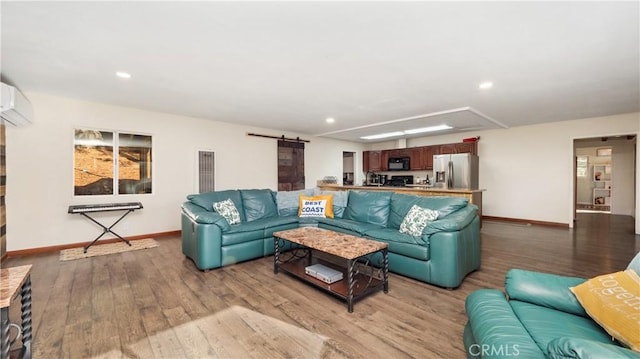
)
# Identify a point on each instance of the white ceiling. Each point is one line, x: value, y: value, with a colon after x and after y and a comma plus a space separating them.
x: 289, y: 65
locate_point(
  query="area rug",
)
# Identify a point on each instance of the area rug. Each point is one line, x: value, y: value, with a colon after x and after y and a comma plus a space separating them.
x: 104, y: 249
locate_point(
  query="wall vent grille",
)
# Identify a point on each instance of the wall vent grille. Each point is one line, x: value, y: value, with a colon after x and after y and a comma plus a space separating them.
x: 206, y: 171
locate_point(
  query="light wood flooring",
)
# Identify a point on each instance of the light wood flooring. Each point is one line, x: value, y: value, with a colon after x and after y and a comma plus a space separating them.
x: 153, y: 303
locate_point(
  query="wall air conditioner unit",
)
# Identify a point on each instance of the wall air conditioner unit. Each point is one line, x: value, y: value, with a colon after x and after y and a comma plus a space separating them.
x: 16, y: 110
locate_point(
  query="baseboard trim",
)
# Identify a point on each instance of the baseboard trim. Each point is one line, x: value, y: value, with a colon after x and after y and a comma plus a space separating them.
x: 40, y: 250
x: 525, y: 221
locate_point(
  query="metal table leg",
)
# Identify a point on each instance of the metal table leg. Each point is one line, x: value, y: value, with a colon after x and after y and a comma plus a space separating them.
x: 350, y: 281
x: 25, y: 294
x: 276, y: 254
x: 385, y: 270
x: 5, y: 333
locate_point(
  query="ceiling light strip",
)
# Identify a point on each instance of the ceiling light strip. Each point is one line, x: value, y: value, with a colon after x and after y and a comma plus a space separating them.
x: 399, y: 120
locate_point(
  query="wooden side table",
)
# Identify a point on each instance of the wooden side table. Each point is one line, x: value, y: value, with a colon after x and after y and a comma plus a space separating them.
x: 13, y: 281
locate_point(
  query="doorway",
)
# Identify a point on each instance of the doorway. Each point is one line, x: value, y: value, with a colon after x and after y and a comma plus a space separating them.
x: 604, y: 175
x: 348, y: 168
x: 290, y: 166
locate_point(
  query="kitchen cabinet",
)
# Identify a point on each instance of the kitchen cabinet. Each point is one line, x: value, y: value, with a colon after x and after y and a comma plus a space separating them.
x: 427, y: 156
x: 384, y: 160
x: 371, y: 161
x: 421, y: 157
x: 417, y: 161
x: 462, y: 147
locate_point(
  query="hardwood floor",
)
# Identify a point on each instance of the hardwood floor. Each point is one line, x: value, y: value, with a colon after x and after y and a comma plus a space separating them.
x: 153, y: 303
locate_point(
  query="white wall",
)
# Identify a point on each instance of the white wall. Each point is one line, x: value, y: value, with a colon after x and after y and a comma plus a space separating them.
x: 622, y: 160
x: 40, y: 168
x: 527, y: 171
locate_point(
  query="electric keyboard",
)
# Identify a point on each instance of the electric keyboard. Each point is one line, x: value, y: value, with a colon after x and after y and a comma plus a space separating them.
x: 84, y: 208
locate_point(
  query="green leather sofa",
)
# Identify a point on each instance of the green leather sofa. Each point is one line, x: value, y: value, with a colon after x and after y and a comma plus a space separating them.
x: 539, y: 317
x: 447, y: 251
x: 209, y: 240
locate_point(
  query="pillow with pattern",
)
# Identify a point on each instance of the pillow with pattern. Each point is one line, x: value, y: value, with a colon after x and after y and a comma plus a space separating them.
x: 612, y: 301
x: 416, y: 219
x: 227, y: 210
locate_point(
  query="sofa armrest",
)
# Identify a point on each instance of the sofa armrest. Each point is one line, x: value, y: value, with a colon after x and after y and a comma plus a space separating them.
x: 453, y: 222
x: 496, y: 330
x: 548, y: 290
x: 201, y: 215
x: 567, y: 347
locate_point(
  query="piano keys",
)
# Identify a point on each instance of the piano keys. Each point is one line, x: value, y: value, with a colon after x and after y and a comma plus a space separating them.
x: 83, y: 208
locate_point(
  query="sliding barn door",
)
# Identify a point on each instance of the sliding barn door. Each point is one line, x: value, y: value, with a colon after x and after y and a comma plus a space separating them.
x: 290, y: 166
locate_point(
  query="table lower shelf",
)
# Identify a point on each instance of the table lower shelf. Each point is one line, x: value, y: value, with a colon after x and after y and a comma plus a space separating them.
x: 363, y: 283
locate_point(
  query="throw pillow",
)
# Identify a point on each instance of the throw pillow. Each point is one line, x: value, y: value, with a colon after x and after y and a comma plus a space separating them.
x: 416, y: 219
x: 227, y: 210
x: 613, y: 301
x: 316, y: 206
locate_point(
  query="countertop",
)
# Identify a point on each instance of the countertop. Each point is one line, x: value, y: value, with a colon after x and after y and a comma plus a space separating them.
x: 408, y: 188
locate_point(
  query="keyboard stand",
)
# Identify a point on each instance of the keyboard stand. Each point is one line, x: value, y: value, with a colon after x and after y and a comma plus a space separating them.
x: 106, y: 230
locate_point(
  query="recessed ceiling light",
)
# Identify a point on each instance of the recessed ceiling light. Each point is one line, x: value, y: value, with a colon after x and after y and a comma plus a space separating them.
x: 427, y: 129
x: 123, y: 75
x: 330, y: 120
x: 486, y: 85
x: 382, y: 135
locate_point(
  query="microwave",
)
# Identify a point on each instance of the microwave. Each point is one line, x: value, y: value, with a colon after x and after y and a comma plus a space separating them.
x: 399, y: 164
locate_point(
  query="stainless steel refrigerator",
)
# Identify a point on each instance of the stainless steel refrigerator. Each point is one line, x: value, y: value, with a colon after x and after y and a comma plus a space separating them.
x: 455, y: 171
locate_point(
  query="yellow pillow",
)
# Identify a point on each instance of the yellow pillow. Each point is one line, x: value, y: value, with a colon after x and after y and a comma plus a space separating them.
x: 316, y: 206
x: 613, y: 301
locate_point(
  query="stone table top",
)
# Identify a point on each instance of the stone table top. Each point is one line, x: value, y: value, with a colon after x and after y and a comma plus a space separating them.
x: 11, y: 280
x: 336, y: 243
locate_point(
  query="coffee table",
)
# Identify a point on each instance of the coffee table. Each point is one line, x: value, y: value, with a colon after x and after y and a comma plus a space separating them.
x: 343, y: 252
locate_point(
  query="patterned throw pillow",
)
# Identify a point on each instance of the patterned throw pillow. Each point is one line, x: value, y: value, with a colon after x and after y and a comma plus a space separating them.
x: 227, y: 210
x: 612, y: 300
x: 417, y: 218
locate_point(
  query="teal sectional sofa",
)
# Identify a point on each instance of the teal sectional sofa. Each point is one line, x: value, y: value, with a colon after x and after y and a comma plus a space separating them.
x: 447, y: 250
x: 537, y: 317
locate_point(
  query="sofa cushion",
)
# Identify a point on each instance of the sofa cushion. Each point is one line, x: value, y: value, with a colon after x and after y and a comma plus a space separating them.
x: 494, y: 325
x: 227, y: 210
x: 401, y: 205
x: 417, y: 218
x: 393, y: 235
x: 340, y: 200
x: 545, y: 324
x: 368, y: 207
x: 287, y: 201
x: 258, y: 203
x: 612, y: 300
x: 320, y: 206
x: 399, y: 243
x: 206, y: 200
x: 347, y: 224
x: 545, y: 289
x: 569, y: 348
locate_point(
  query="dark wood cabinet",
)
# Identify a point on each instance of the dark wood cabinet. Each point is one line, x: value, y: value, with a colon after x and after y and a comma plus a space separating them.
x: 384, y: 160
x: 417, y: 161
x: 427, y: 156
x: 371, y: 161
x: 421, y: 157
x: 462, y: 147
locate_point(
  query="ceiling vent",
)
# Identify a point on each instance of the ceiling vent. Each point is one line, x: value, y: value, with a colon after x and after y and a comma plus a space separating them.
x: 16, y: 110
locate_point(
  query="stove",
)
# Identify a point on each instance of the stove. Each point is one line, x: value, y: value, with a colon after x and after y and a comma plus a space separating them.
x: 398, y: 181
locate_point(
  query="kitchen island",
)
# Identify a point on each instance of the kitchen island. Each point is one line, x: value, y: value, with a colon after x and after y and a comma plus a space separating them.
x: 473, y: 195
